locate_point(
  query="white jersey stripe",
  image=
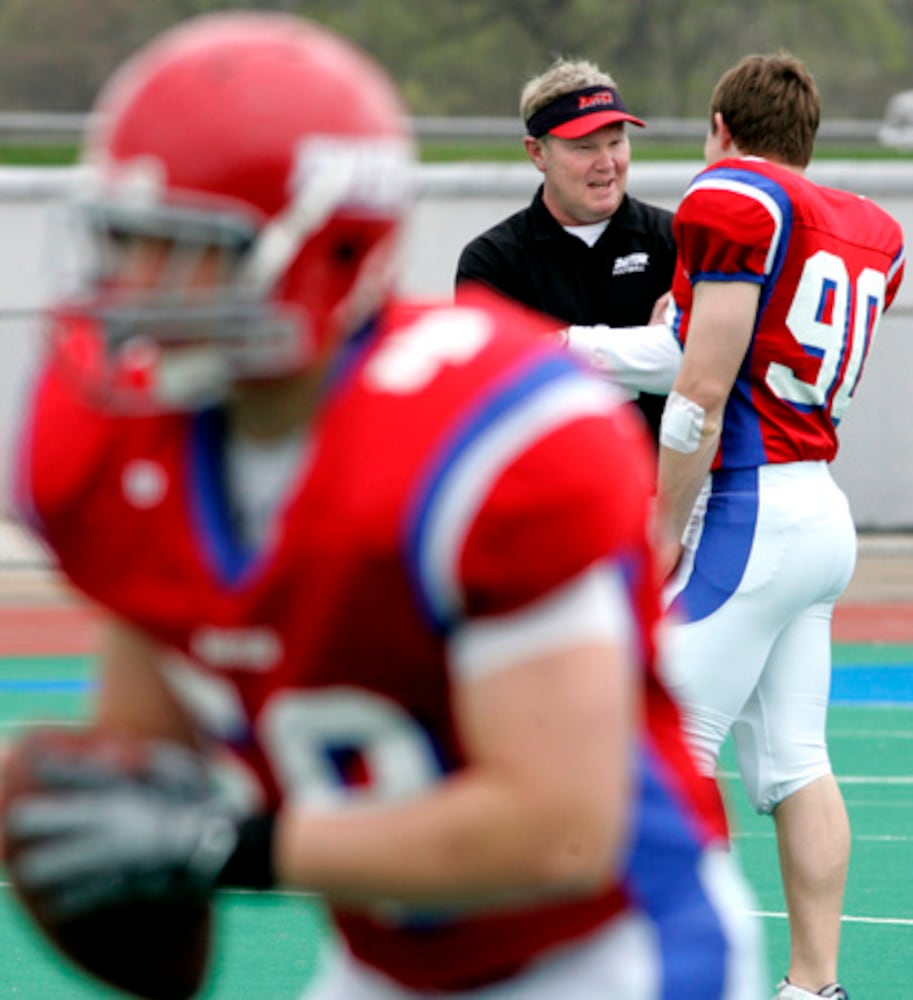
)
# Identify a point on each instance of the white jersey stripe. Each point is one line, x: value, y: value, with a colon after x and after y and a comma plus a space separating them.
x: 593, y: 607
x: 716, y: 183
x: 477, y: 466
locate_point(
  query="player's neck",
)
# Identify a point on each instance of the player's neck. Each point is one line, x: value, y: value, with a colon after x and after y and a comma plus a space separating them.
x: 273, y: 408
x: 796, y: 168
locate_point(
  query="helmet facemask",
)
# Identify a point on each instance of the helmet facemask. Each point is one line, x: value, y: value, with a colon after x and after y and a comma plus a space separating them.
x: 269, y: 166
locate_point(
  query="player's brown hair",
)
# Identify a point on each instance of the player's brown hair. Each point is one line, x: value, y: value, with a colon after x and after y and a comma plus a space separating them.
x: 771, y: 105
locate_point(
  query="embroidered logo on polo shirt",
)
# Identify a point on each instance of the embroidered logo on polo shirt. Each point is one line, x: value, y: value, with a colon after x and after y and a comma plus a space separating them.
x: 633, y: 263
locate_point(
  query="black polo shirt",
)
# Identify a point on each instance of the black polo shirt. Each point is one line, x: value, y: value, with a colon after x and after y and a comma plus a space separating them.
x: 531, y: 258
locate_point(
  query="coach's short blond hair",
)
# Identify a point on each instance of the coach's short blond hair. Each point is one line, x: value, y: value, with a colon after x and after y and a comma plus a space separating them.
x: 564, y: 76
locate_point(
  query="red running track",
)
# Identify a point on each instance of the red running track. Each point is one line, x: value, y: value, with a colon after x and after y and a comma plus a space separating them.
x: 68, y: 630
x: 47, y: 630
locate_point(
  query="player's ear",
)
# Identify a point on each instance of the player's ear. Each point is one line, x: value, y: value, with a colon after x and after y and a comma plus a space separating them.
x: 721, y: 129
x: 535, y: 150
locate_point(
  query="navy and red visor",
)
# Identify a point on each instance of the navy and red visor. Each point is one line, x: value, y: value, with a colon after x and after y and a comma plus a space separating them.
x: 579, y: 113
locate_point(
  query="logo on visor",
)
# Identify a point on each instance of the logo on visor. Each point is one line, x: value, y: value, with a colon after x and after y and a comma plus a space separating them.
x: 587, y: 101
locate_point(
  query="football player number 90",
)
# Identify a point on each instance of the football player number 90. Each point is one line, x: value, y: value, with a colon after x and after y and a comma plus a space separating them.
x: 830, y: 315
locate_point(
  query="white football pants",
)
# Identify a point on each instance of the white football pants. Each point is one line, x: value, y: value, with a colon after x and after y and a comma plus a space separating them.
x: 748, y: 649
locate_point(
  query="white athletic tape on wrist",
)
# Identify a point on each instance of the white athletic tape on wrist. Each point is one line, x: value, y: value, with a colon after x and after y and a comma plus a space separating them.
x: 682, y: 424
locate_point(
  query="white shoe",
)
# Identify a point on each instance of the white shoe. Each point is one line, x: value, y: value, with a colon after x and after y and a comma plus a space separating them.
x: 788, y: 991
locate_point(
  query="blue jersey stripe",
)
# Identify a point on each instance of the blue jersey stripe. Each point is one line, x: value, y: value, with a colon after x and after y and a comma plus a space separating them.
x: 724, y: 546
x: 209, y: 502
x: 742, y: 442
x: 771, y: 195
x: 495, y: 426
x: 664, y: 879
x: 227, y: 553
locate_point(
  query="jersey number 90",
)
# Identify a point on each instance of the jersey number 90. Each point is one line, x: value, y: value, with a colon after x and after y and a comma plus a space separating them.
x: 834, y: 318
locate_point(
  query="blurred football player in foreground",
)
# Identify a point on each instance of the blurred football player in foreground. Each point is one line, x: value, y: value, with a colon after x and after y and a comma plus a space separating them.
x: 584, y: 249
x: 383, y: 565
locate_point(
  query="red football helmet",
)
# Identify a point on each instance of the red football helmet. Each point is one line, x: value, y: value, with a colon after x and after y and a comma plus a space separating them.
x: 260, y: 141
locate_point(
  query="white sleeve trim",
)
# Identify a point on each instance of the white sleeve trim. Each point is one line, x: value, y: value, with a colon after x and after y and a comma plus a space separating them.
x: 638, y: 358
x: 469, y: 478
x: 592, y: 607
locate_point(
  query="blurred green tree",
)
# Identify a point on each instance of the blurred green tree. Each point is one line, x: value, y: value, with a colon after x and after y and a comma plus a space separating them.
x: 472, y: 57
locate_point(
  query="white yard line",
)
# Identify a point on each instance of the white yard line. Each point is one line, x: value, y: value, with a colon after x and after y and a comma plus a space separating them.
x: 849, y: 779
x: 892, y: 921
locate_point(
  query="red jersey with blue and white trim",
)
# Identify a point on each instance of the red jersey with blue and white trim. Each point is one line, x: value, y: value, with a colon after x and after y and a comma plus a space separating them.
x: 828, y: 263
x: 459, y: 468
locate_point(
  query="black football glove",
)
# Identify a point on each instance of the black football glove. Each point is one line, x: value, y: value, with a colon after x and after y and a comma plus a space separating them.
x: 97, y: 835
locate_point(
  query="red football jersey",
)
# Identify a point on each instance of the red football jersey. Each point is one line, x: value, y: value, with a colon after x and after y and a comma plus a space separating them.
x: 828, y: 262
x: 459, y: 467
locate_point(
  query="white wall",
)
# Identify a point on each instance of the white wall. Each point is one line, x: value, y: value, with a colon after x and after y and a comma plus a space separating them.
x: 456, y: 202
x: 875, y: 464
